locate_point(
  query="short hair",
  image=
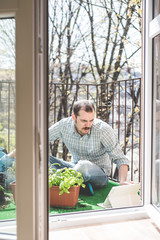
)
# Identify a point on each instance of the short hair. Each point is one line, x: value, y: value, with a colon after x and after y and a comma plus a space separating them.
x: 86, y: 105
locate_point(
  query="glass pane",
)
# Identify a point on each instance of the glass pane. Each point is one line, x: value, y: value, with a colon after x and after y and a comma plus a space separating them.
x: 156, y: 122
x: 156, y: 8
x: 7, y: 119
x: 95, y: 53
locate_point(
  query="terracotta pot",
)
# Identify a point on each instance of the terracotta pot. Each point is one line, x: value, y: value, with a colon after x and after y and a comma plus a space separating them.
x: 13, y: 187
x: 66, y: 199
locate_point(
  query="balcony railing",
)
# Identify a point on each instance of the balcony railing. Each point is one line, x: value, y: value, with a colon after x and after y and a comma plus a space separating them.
x: 7, y: 115
x: 117, y: 103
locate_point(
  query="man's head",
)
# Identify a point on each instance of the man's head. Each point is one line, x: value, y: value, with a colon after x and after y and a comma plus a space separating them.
x: 83, y: 115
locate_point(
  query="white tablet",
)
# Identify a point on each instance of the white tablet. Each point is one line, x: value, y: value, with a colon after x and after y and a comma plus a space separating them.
x: 122, y: 196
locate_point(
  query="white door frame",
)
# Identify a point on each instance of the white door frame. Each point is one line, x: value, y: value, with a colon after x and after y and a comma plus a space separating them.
x: 31, y: 132
x: 29, y: 148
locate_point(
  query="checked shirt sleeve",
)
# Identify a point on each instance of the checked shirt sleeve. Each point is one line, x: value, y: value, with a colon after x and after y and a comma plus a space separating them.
x: 55, y: 131
x: 110, y: 142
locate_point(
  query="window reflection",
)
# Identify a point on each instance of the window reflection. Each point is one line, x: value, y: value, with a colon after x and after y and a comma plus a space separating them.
x: 156, y: 8
x: 7, y: 118
x: 156, y: 160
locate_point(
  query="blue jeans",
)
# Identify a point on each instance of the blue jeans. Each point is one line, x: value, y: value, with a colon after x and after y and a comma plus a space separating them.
x: 90, y: 171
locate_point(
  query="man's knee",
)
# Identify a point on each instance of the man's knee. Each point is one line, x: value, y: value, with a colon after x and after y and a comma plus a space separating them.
x: 83, y: 166
x: 92, y: 173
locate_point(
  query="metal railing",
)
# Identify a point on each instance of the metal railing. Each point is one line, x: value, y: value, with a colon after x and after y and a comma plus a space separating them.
x: 7, y: 115
x: 117, y: 103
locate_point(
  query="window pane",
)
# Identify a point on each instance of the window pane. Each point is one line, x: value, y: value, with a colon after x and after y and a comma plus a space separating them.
x: 7, y: 118
x: 95, y: 53
x: 156, y: 122
x: 156, y: 8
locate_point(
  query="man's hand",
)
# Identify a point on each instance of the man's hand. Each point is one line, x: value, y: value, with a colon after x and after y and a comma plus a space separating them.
x: 123, y: 171
x: 126, y: 183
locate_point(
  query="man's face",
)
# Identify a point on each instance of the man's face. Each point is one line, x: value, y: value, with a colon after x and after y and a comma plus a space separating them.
x: 83, y: 121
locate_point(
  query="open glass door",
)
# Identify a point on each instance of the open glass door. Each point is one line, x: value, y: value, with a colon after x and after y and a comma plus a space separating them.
x: 156, y: 107
x: 102, y: 70
x: 28, y: 27
x: 156, y: 124
x: 7, y: 125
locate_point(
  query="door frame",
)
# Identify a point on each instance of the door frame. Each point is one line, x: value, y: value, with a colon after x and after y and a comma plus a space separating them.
x: 27, y: 100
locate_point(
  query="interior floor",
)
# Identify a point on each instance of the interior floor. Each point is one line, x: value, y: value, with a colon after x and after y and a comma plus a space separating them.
x: 124, y: 230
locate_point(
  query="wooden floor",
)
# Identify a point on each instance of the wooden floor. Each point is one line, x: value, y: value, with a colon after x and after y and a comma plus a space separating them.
x: 143, y: 229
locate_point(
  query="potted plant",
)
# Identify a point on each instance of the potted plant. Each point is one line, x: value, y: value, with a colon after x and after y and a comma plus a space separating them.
x: 64, y: 186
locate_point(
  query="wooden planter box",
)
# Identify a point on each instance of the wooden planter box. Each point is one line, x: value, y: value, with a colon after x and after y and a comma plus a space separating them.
x: 64, y: 200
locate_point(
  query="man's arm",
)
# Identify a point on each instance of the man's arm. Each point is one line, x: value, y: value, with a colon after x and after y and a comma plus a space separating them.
x: 55, y: 131
x: 123, y: 171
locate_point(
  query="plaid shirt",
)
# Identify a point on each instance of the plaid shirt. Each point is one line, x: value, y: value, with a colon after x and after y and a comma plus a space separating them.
x: 99, y: 146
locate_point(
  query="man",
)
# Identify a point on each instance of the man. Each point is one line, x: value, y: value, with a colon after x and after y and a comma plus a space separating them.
x: 90, y: 141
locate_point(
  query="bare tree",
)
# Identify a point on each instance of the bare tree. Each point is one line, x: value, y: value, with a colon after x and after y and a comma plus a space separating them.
x: 7, y: 84
x: 92, y: 42
x: 7, y: 43
x: 118, y: 21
